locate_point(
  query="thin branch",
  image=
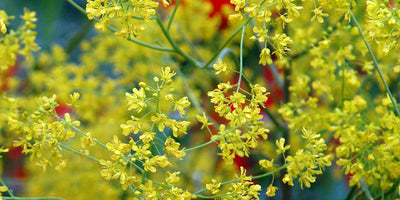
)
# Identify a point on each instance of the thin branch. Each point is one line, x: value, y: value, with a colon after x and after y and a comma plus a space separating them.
x: 376, y: 64
x: 175, y: 48
x: 78, y: 152
x: 241, y: 59
x: 237, y: 180
x: 114, y: 30
x: 232, y: 36
x: 173, y: 14
x: 8, y: 189
x: 211, y: 141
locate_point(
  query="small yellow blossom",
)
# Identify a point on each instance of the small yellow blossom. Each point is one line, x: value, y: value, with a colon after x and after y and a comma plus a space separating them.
x: 136, y: 100
x: 181, y: 104
x: 165, y: 3
x: 87, y: 141
x: 220, y: 66
x: 281, y: 145
x: 131, y: 126
x: 213, y: 186
x: 4, y: 21
x: 74, y: 97
x: 172, y: 148
x: 147, y: 137
x: 172, y: 178
x: 61, y: 165
x: 3, y: 27
x: 271, y: 190
x: 167, y: 74
x: 318, y: 14
x: 396, y: 68
x: 265, y: 57
x: 266, y: 164
x: 3, y: 189
x: 203, y: 120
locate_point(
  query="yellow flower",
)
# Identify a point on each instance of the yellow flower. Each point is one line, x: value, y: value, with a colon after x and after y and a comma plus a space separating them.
x: 172, y: 178
x: 220, y: 66
x: 265, y: 57
x: 181, y: 104
x: 271, y: 190
x: 136, y: 100
x: 396, y: 68
x: 239, y: 4
x: 131, y: 126
x: 3, y: 188
x: 288, y: 179
x: 203, y: 120
x: 87, y: 141
x: 3, y: 27
x: 167, y: 74
x: 4, y: 21
x: 165, y: 3
x: 74, y: 97
x: 147, y: 137
x: 281, y: 146
x: 266, y: 164
x: 318, y: 14
x: 172, y: 148
x: 213, y: 186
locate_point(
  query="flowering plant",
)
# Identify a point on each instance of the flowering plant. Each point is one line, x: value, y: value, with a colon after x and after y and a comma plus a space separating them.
x: 243, y: 99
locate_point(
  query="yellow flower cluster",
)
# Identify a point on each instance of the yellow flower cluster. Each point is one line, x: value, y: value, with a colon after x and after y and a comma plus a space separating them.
x: 20, y: 41
x: 41, y: 135
x: 327, y: 83
x: 382, y: 25
x: 262, y: 14
x: 138, y: 153
x: 241, y: 112
x: 129, y: 14
x: 307, y: 162
x: 368, y: 149
x: 244, y: 188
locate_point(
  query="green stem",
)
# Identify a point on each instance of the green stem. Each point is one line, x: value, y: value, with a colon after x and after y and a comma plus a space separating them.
x: 78, y: 152
x: 78, y: 36
x: 226, y: 43
x: 211, y: 141
x: 98, y: 142
x: 75, y: 5
x: 241, y: 59
x: 193, y: 98
x: 274, y: 121
x: 237, y: 180
x: 270, y: 173
x: 269, y: 114
x: 376, y: 65
x: 342, y: 86
x: 212, y: 197
x: 166, y: 49
x: 175, y: 48
x: 173, y: 14
x: 351, y: 192
x: 114, y: 30
x: 78, y: 130
x: 392, y: 189
x: 232, y: 36
x: 8, y: 189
